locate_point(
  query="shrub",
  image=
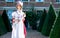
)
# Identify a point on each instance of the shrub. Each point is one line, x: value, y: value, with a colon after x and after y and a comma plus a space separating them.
x: 55, y: 32
x: 6, y: 21
x: 32, y: 18
x: 42, y: 18
x: 3, y: 29
x: 49, y: 21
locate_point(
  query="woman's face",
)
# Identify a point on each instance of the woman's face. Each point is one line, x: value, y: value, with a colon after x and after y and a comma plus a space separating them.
x: 18, y: 6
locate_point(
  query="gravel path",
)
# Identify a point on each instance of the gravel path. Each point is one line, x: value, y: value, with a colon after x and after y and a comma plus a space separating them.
x: 30, y: 34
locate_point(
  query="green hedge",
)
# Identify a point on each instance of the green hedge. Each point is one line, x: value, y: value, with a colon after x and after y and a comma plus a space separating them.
x: 42, y: 20
x: 32, y: 19
x: 55, y: 32
x: 49, y: 21
x: 3, y: 29
x: 6, y: 21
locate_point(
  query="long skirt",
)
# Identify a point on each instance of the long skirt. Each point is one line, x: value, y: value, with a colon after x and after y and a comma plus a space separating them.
x: 18, y: 30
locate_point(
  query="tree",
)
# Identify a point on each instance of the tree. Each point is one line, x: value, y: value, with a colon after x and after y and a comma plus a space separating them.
x: 32, y: 18
x: 49, y: 21
x: 3, y: 29
x: 55, y: 32
x: 42, y: 20
x: 6, y: 21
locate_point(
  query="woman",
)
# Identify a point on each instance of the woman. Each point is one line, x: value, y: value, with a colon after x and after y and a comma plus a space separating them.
x: 18, y: 17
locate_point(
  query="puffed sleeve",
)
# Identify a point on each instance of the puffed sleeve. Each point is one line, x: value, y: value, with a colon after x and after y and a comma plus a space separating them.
x: 12, y: 14
x: 13, y: 17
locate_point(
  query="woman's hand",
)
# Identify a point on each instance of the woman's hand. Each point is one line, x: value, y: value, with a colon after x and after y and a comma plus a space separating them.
x: 13, y: 20
x: 23, y: 19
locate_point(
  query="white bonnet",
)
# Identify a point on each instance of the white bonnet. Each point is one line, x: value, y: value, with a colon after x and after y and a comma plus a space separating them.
x: 19, y: 2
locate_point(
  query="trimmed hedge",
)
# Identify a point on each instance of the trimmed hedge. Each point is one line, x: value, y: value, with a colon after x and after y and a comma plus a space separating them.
x: 32, y: 19
x: 6, y: 21
x: 42, y: 20
x: 49, y: 21
x: 55, y: 32
x: 3, y: 29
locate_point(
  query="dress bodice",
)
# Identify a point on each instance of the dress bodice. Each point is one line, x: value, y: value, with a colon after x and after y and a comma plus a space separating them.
x: 18, y: 16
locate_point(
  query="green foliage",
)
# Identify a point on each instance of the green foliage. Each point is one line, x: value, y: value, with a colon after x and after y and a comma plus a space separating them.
x: 6, y: 21
x: 42, y: 20
x: 32, y: 18
x: 3, y: 29
x: 55, y: 32
x: 49, y: 21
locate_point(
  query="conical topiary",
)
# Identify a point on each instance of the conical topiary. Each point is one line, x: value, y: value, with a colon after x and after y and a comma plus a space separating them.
x: 32, y: 19
x: 42, y: 20
x: 55, y: 32
x: 49, y: 21
x: 6, y: 21
x: 3, y: 29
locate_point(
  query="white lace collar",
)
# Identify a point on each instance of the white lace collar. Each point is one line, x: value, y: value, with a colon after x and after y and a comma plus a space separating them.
x: 19, y: 11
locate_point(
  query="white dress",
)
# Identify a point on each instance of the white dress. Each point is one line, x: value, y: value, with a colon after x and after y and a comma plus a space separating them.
x: 18, y: 27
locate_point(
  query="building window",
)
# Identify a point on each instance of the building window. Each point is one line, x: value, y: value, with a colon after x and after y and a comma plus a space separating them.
x: 39, y: 0
x: 25, y: 0
x: 2, y: 0
x: 9, y: 0
x: 57, y: 0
